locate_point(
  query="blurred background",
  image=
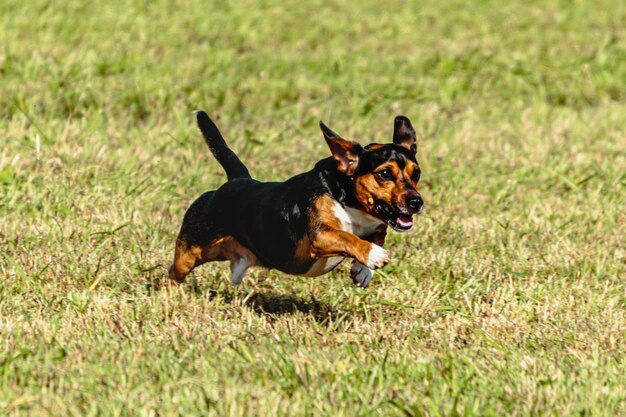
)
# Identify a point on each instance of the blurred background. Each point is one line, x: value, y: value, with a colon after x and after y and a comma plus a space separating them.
x: 508, y: 298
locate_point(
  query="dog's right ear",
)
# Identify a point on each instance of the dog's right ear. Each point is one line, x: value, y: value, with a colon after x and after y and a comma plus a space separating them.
x: 404, y: 134
x: 345, y: 152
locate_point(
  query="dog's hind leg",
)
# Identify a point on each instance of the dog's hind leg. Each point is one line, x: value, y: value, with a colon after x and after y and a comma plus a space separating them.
x: 241, y: 258
x: 225, y: 248
x: 238, y: 270
x: 185, y: 259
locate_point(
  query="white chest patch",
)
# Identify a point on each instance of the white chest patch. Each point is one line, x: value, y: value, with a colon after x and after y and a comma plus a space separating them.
x: 352, y: 221
x: 355, y: 221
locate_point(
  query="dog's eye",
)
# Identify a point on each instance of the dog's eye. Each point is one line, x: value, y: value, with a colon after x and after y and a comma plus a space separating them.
x: 415, y: 176
x: 384, y: 174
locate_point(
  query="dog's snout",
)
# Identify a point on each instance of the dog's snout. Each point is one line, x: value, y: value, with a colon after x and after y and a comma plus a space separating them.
x: 415, y: 202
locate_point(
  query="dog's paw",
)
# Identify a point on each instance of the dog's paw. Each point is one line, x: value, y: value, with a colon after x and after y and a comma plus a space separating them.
x: 377, y: 258
x: 360, y: 274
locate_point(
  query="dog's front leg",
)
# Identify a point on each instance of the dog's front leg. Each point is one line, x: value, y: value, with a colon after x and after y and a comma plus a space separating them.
x: 333, y: 242
x: 362, y: 275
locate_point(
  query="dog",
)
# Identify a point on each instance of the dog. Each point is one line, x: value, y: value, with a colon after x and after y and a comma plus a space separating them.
x: 308, y: 224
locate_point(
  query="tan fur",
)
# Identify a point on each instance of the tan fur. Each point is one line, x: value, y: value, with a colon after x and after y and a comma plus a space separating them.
x: 186, y: 258
x: 368, y: 188
x: 326, y: 239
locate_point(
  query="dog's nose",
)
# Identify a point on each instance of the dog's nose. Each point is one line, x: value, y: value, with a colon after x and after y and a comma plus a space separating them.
x: 415, y: 202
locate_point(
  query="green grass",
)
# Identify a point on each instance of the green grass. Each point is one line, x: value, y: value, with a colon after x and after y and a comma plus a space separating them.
x: 508, y: 298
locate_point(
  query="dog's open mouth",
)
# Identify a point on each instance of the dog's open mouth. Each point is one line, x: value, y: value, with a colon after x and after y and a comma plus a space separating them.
x: 399, y: 220
x: 403, y: 222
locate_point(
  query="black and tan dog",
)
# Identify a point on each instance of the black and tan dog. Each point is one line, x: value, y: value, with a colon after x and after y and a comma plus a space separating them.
x: 308, y: 224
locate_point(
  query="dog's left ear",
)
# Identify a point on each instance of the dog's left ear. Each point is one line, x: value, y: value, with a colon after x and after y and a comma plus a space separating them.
x: 404, y: 134
x: 345, y: 152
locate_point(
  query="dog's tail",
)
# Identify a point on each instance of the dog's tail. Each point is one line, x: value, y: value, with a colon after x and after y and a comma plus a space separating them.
x: 225, y: 156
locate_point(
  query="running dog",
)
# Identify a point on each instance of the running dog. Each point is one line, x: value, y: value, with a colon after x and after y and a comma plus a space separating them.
x: 308, y: 224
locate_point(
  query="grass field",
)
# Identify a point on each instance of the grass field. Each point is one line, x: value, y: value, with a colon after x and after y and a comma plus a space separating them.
x: 507, y: 298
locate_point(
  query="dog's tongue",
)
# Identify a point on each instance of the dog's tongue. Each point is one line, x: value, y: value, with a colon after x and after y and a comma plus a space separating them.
x: 405, y: 221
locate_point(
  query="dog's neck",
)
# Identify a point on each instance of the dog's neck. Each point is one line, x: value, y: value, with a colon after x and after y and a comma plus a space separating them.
x: 337, y: 184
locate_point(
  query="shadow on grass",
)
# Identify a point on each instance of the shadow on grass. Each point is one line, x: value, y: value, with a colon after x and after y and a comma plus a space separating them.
x: 269, y: 303
x: 277, y: 304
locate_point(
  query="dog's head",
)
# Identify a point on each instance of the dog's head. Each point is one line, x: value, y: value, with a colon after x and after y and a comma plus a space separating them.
x: 384, y: 176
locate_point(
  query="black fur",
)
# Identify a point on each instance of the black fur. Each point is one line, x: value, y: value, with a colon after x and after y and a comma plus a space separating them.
x: 268, y: 218
x: 374, y: 158
x: 225, y: 156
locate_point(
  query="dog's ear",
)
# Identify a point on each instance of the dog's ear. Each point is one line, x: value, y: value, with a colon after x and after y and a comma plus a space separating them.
x: 345, y: 152
x: 404, y: 134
